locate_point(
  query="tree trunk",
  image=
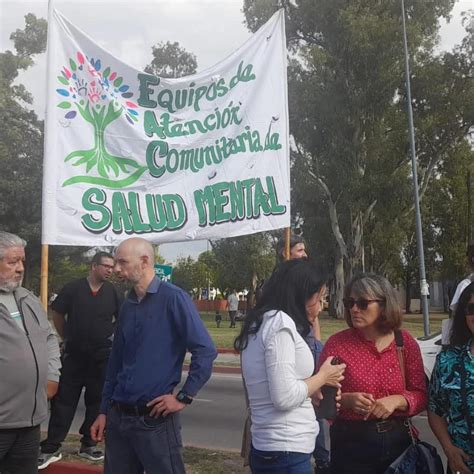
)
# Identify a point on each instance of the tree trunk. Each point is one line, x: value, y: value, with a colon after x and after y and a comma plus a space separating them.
x: 252, y: 289
x: 338, y: 285
x: 407, y: 293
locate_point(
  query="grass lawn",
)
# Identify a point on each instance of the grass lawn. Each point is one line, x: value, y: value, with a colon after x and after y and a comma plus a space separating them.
x: 224, y: 336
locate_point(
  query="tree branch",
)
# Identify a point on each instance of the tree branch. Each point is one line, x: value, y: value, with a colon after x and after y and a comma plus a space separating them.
x: 333, y: 217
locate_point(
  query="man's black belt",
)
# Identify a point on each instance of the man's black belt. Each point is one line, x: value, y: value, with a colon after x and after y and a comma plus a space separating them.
x: 137, y: 410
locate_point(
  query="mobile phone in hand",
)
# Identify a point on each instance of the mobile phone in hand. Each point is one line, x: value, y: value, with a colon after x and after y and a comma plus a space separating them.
x: 327, y: 406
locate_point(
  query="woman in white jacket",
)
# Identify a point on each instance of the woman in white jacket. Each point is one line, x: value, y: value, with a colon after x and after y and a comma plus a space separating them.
x: 277, y: 366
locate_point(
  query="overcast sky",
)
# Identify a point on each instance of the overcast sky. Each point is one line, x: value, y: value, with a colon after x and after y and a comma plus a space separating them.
x: 128, y: 29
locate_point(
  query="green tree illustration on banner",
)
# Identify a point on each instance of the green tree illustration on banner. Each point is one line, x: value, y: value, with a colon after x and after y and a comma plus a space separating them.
x: 100, y: 98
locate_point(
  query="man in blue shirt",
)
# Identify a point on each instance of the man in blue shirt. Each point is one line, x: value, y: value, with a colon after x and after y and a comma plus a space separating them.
x: 158, y: 322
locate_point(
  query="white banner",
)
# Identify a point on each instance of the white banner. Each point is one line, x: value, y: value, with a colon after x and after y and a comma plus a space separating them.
x: 128, y: 153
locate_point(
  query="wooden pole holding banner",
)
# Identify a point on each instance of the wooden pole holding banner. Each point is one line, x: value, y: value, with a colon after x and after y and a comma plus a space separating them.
x: 44, y: 276
x: 287, y: 243
x: 45, y: 247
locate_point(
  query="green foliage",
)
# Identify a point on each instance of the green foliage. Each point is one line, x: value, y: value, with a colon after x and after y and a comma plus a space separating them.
x: 209, y: 262
x: 238, y: 263
x: 191, y: 275
x: 351, y: 171
x: 65, y: 270
x: 243, y: 261
x: 448, y: 207
x: 170, y: 60
x: 224, y: 336
x: 32, y: 39
x: 21, y: 146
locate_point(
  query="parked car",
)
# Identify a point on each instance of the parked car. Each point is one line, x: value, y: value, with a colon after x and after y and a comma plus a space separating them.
x: 430, y: 346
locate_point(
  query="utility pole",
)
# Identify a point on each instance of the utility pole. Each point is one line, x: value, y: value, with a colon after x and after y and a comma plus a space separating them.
x: 424, y: 289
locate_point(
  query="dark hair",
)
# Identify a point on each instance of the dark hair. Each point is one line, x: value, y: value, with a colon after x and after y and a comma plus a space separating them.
x: 372, y: 286
x: 280, y: 246
x: 97, y: 258
x: 460, y: 332
x: 290, y: 286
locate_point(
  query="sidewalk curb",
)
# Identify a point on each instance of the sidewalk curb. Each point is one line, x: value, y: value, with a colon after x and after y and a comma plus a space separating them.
x: 226, y: 370
x: 227, y: 351
x: 219, y: 369
x: 72, y: 468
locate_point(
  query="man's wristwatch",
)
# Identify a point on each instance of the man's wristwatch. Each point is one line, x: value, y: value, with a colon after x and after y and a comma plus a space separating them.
x: 183, y: 397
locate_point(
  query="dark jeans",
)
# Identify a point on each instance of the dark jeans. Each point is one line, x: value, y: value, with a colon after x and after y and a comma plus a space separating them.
x: 359, y: 447
x: 232, y: 315
x: 19, y: 450
x: 78, y: 370
x: 134, y: 444
x: 283, y: 462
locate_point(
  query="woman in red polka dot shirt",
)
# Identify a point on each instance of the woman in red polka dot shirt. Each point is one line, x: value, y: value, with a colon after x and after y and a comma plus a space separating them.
x: 370, y: 431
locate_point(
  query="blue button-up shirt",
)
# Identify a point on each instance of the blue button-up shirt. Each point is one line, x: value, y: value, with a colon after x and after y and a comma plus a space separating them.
x: 150, y: 343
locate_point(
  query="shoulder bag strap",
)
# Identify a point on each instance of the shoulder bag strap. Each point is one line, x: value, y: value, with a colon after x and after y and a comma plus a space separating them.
x: 401, y: 355
x: 401, y: 360
x: 465, y: 407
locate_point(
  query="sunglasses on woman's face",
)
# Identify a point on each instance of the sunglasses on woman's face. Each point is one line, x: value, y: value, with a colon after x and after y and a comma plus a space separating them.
x: 361, y: 303
x: 470, y: 309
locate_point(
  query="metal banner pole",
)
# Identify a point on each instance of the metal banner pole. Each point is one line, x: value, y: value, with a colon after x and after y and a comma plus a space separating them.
x: 424, y: 289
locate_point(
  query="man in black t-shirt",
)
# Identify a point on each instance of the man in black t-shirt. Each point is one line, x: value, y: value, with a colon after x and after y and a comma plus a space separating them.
x: 84, y: 314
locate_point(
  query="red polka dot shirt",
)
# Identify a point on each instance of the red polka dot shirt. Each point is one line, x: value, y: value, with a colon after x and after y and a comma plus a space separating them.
x: 378, y: 373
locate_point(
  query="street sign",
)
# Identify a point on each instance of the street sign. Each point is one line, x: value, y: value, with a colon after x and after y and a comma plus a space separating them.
x: 163, y: 272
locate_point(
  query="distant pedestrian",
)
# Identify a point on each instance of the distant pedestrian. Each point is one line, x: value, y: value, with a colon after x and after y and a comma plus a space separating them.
x: 218, y: 319
x: 83, y: 314
x: 232, y: 307
x: 297, y: 248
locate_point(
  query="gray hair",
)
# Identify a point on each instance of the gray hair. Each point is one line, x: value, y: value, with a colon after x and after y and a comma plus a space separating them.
x: 372, y: 286
x: 8, y: 240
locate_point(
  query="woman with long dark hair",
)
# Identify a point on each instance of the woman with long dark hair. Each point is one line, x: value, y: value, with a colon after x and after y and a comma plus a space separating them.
x: 370, y: 430
x: 278, y: 366
x: 451, y: 401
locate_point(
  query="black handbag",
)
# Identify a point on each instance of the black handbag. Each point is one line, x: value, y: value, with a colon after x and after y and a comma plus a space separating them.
x: 420, y: 457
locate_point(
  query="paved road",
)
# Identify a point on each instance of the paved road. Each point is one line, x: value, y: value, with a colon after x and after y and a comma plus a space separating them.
x: 216, y: 417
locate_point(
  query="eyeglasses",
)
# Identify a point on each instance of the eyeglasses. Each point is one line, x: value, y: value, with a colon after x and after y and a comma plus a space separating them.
x: 361, y: 303
x: 109, y: 267
x: 470, y: 309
